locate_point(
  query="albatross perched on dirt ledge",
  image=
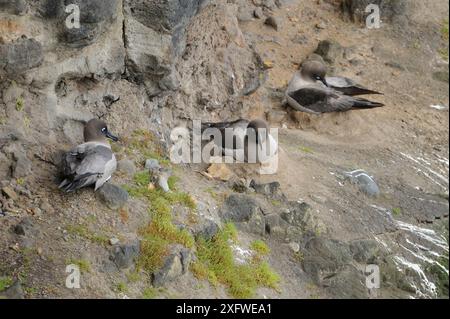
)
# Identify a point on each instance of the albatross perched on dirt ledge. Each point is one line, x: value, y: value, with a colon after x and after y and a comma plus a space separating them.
x: 311, y: 91
x: 91, y: 163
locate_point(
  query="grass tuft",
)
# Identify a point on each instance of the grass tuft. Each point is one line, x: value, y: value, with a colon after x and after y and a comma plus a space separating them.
x: 217, y: 265
x: 5, y: 283
x: 161, y: 232
x: 84, y: 265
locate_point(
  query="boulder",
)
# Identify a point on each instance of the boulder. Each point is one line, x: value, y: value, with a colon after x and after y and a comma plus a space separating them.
x: 20, y: 56
x: 125, y: 255
x: 245, y: 212
x: 18, y: 7
x: 324, y: 258
x: 175, y: 265
x: 395, y: 11
x: 113, y: 196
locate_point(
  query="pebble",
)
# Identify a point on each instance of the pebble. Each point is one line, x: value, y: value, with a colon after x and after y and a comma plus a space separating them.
x: 295, y: 247
x: 273, y: 22
x: 10, y: 193
x: 114, y: 241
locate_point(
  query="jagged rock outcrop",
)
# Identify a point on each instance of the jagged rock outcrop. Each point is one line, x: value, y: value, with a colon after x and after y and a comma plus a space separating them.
x: 391, y: 10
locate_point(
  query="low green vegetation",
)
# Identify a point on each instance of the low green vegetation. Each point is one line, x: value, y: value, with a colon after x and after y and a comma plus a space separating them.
x: 84, y: 232
x: 441, y: 275
x: 217, y: 265
x: 444, y: 33
x: 161, y: 232
x: 444, y: 30
x: 20, y: 103
x: 397, y: 211
x: 83, y: 265
x: 145, y: 145
x: 260, y: 248
x: 215, y: 261
x: 122, y: 288
x: 306, y: 150
x: 5, y: 283
x: 151, y: 293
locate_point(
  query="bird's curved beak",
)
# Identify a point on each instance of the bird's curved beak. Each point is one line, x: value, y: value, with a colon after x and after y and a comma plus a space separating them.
x: 112, y: 137
x: 324, y: 81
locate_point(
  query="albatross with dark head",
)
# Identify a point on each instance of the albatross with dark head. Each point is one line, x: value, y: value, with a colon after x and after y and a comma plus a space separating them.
x: 246, y: 141
x: 91, y: 163
x: 311, y: 91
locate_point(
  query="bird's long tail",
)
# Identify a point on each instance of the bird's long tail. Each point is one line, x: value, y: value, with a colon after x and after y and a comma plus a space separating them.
x: 366, y: 104
x: 355, y: 91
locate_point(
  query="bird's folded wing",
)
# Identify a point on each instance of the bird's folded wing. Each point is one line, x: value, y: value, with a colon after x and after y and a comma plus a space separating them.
x: 310, y: 96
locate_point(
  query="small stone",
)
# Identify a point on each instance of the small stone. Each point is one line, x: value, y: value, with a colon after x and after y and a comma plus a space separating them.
x: 272, y: 22
x: 46, y: 207
x: 295, y: 247
x: 114, y: 241
x: 113, y: 196
x: 258, y: 13
x: 268, y: 64
x: 15, y: 291
x: 152, y: 164
x: 126, y: 166
x: 124, y: 255
x: 239, y: 208
x: 269, y: 189
x: 10, y: 193
x: 318, y: 199
x: 220, y: 171
x: 24, y: 228
x: 175, y: 265
x: 365, y: 182
x: 321, y: 26
x: 330, y: 50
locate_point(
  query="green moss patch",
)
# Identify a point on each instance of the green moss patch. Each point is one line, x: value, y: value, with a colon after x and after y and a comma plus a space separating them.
x: 217, y: 265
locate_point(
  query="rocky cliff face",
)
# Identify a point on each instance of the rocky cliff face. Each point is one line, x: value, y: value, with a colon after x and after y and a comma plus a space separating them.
x: 147, y: 66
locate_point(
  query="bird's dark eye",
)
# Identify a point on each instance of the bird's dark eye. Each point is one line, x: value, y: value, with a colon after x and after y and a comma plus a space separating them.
x: 104, y: 130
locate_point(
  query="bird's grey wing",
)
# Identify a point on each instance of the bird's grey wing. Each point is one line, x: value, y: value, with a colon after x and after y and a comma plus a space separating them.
x: 348, y: 86
x: 73, y: 159
x: 311, y: 99
x: 85, y: 165
x: 226, y: 130
x: 94, y: 161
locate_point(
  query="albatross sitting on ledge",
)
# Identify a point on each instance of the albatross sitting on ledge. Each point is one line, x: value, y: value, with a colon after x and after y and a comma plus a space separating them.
x: 246, y: 141
x: 91, y: 163
x: 312, y: 92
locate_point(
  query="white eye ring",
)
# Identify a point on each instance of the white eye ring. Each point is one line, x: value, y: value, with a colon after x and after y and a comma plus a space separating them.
x: 104, y: 130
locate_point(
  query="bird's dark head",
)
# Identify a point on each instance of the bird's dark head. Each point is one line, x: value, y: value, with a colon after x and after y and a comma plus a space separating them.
x: 315, y: 70
x: 260, y: 128
x: 97, y: 130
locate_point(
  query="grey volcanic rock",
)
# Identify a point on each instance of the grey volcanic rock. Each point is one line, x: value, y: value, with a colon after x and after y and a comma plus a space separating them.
x: 364, y: 251
x: 239, y: 208
x: 24, y: 228
x: 163, y: 15
x: 95, y: 15
x: 296, y: 213
x: 20, y: 56
x: 85, y: 35
x: 124, y: 255
x: 15, y: 291
x: 391, y: 10
x: 113, y: 196
x: 175, y: 265
x: 325, y: 258
x: 270, y: 189
x: 95, y: 11
x: 245, y: 212
x: 365, y: 182
x: 18, y: 7
x: 330, y: 50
